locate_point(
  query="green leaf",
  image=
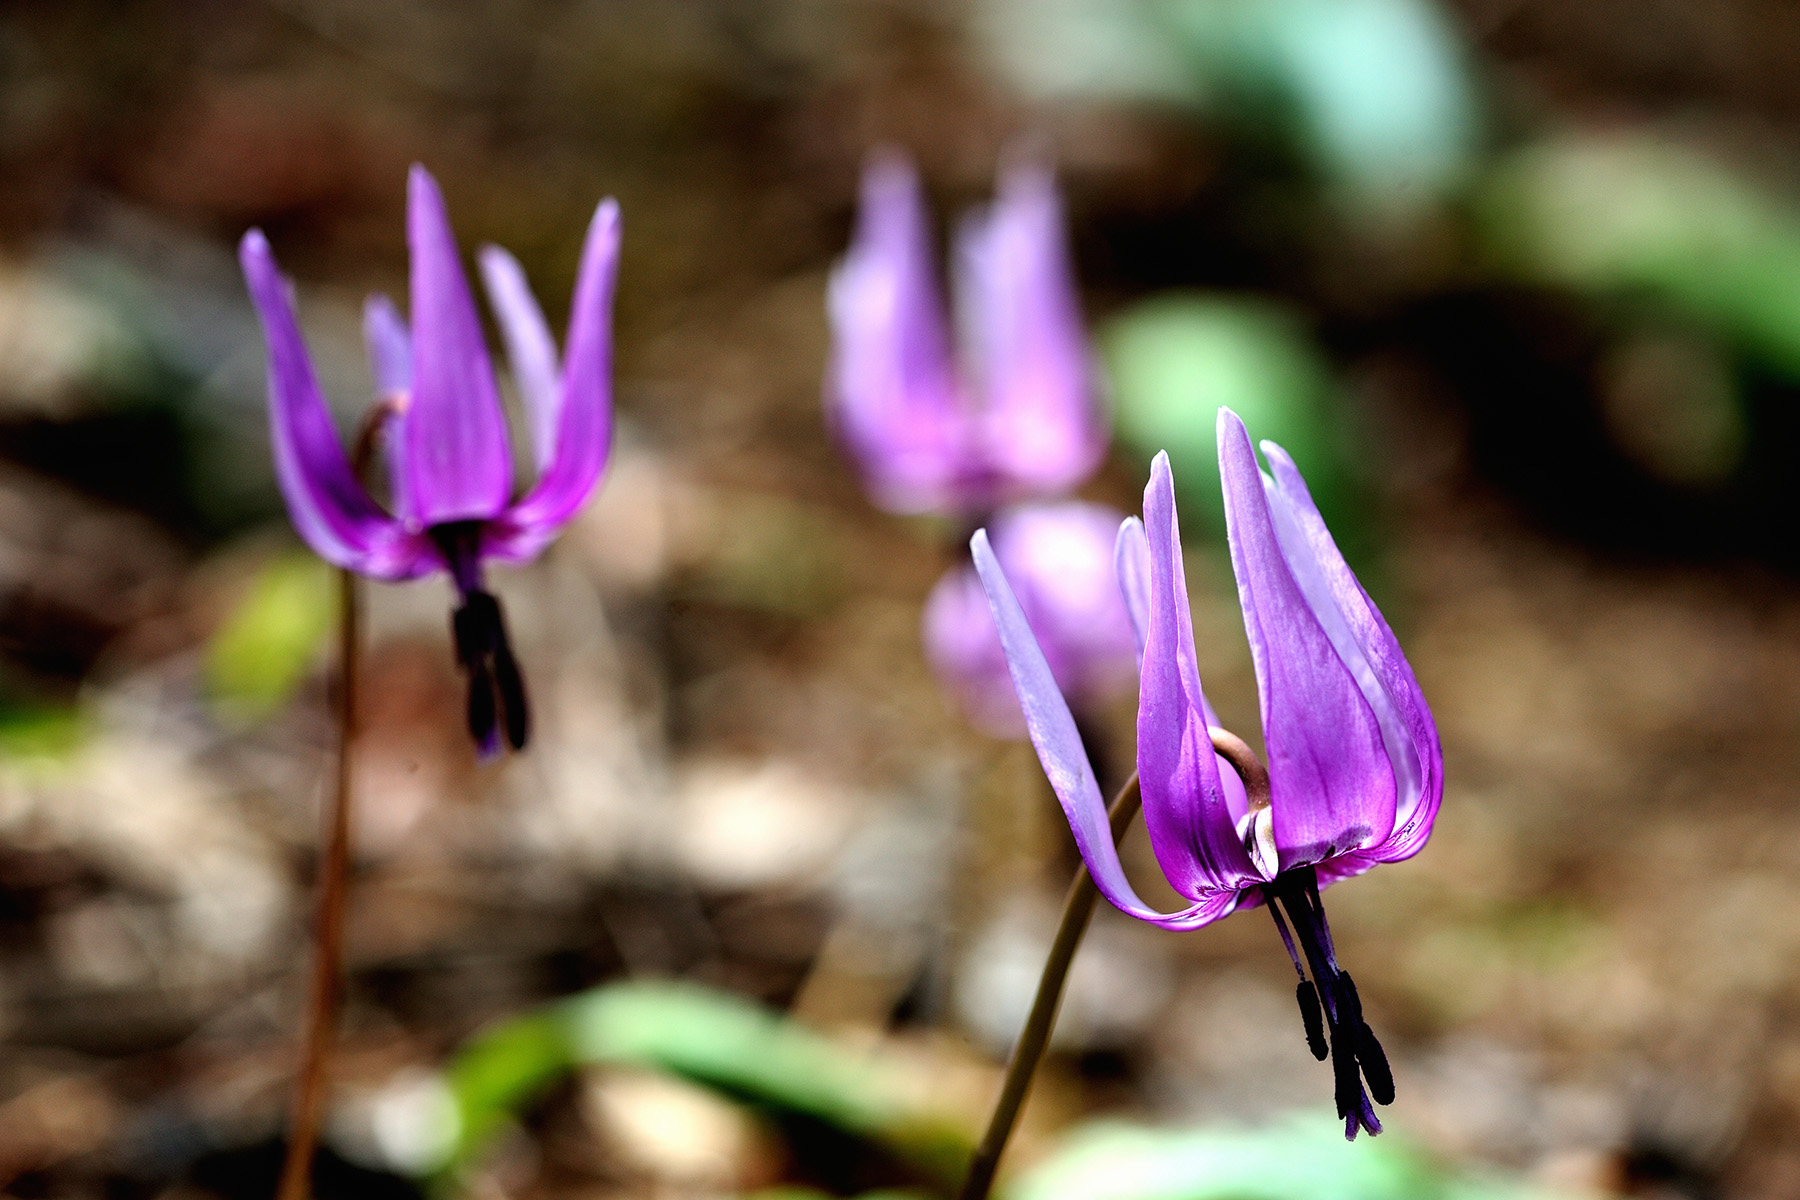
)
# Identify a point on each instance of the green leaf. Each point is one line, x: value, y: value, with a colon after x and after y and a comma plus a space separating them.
x: 265, y: 648
x: 1302, y: 1158
x: 712, y: 1038
x: 1636, y: 217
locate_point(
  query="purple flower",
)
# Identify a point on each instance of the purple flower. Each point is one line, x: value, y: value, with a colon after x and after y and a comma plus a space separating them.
x: 1059, y: 557
x: 1355, y: 770
x: 1023, y: 418
x: 450, y: 465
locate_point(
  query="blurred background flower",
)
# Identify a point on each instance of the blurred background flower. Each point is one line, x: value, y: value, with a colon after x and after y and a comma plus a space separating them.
x: 1059, y: 560
x: 1510, y: 280
x: 1019, y: 416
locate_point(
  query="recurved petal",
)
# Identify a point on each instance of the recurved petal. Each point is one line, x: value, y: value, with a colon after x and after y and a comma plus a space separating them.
x: 529, y: 347
x: 389, y: 346
x: 457, y: 464
x: 964, y: 652
x: 1333, y: 788
x: 330, y: 509
x: 1042, y: 427
x: 1131, y: 559
x: 1368, y: 645
x: 1058, y: 744
x: 584, y: 415
x: 390, y: 361
x: 1058, y: 557
x: 890, y: 387
x: 1186, y: 807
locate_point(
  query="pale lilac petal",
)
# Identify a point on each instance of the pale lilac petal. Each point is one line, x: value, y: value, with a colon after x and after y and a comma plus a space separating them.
x: 1059, y: 748
x: 1186, y: 809
x: 530, y: 348
x: 1042, y: 428
x: 584, y: 414
x: 390, y: 361
x: 1333, y: 788
x: 1059, y: 558
x: 389, y: 346
x: 330, y: 509
x: 457, y: 464
x: 1131, y: 560
x: 1365, y: 642
x: 891, y: 394
x: 963, y: 648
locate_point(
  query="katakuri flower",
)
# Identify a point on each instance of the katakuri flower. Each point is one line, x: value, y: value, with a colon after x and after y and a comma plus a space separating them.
x: 1355, y: 770
x: 1059, y: 557
x: 1022, y: 418
x: 452, y: 506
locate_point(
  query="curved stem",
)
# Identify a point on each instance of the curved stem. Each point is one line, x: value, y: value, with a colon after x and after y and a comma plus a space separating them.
x: 1236, y: 751
x: 1078, y: 909
x: 328, y: 921
x: 326, y: 988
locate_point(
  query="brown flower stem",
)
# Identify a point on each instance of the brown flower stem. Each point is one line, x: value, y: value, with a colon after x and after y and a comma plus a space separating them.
x: 328, y: 921
x: 326, y: 989
x: 1028, y: 1051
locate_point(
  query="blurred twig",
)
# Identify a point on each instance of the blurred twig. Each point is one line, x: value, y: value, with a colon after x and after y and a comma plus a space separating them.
x: 328, y: 933
x: 1078, y: 909
x: 334, y: 879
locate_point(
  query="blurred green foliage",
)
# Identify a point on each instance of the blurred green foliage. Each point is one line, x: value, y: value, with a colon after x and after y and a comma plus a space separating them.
x: 1177, y: 358
x: 40, y: 731
x: 1302, y: 1158
x: 716, y: 1039
x: 1618, y: 218
x: 264, y: 649
x: 1374, y: 97
x: 762, y: 1058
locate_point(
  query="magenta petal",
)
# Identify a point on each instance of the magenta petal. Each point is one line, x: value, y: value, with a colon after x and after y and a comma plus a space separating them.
x: 1333, y: 788
x: 1368, y: 645
x: 530, y: 349
x: 1042, y: 430
x: 1186, y: 808
x: 457, y: 463
x: 891, y: 394
x: 584, y: 413
x: 1132, y: 558
x: 1059, y: 748
x: 330, y: 509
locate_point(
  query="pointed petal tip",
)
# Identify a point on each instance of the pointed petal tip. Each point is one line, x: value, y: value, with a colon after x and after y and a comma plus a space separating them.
x: 603, y: 230
x: 1274, y: 453
x: 979, y: 545
x: 379, y: 306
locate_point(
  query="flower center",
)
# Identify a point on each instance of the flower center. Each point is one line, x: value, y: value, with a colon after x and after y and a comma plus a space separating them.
x: 1356, y: 1056
x: 483, y: 652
